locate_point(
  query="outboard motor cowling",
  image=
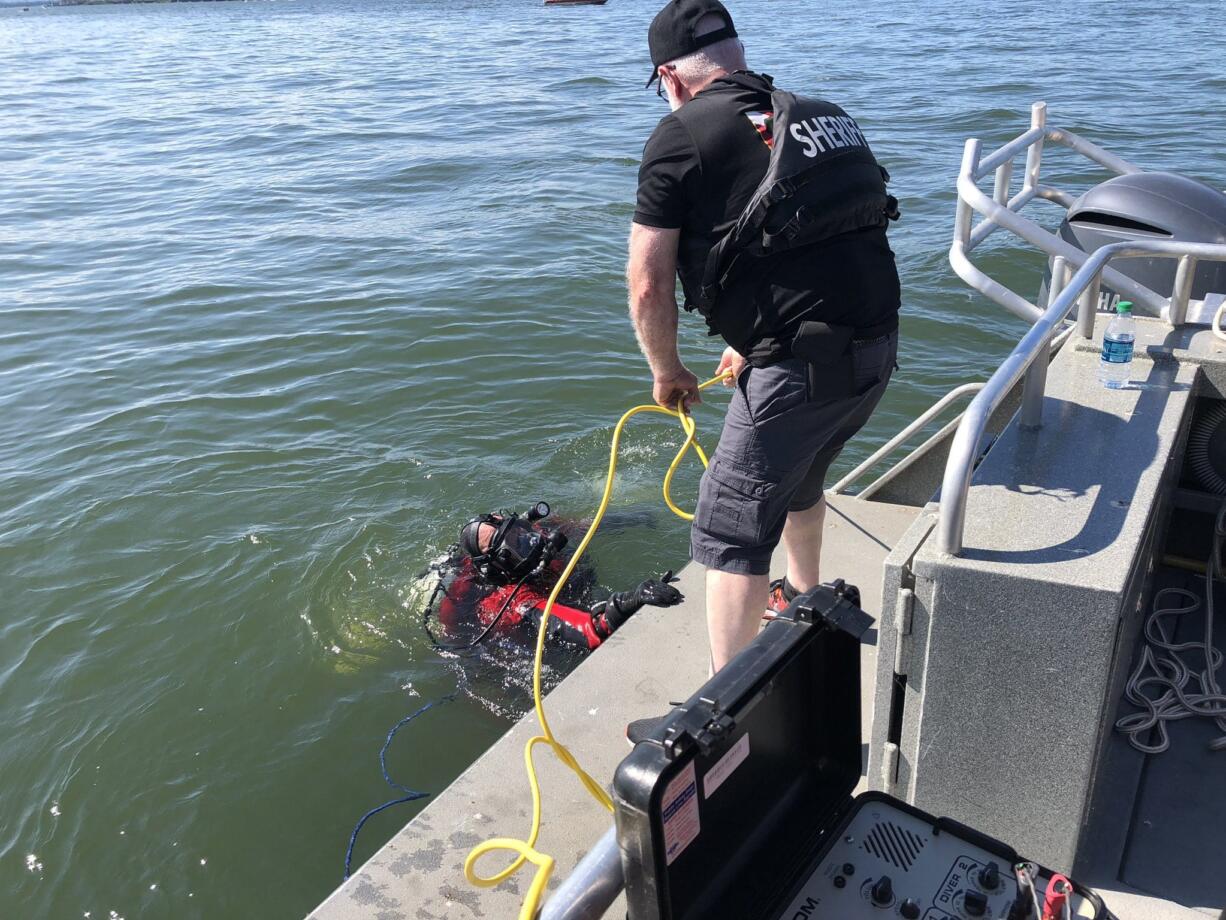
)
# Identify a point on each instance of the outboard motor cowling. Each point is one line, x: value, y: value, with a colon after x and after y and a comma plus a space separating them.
x: 1148, y: 206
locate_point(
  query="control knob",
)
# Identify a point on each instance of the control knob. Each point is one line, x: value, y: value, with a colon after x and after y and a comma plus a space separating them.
x: 989, y: 876
x: 975, y: 903
x: 882, y: 891
x: 909, y: 909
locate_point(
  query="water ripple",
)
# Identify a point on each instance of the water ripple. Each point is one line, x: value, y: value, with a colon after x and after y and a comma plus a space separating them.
x: 293, y: 289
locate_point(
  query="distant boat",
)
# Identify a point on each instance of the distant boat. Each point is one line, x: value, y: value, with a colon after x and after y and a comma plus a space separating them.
x: 575, y: 2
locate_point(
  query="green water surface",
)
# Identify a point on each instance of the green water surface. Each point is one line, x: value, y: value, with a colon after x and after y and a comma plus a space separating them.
x: 289, y: 290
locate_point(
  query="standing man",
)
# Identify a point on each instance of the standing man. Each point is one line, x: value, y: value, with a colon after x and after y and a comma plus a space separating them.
x: 773, y: 212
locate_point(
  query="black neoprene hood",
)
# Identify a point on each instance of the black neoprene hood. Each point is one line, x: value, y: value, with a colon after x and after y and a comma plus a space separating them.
x: 671, y: 35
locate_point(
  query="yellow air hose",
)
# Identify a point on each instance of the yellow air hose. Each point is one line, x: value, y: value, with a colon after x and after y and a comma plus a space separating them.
x: 525, y: 850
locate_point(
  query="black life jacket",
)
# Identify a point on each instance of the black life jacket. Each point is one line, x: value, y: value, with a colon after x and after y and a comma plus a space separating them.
x: 822, y: 180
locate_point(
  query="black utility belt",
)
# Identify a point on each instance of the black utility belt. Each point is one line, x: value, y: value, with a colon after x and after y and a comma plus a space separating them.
x: 829, y: 351
x: 823, y: 343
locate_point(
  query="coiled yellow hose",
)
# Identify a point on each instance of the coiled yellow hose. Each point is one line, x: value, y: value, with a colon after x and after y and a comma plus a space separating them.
x: 525, y: 850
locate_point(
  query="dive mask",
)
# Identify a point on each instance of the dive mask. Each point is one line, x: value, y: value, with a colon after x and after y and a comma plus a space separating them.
x: 517, y: 549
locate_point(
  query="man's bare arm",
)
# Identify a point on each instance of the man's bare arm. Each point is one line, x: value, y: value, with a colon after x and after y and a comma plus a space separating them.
x: 651, y: 277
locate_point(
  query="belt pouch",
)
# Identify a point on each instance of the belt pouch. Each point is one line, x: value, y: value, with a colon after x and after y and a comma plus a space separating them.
x: 827, y: 351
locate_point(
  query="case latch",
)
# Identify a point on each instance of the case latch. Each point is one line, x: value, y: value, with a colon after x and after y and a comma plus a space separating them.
x: 706, y: 729
x: 837, y: 605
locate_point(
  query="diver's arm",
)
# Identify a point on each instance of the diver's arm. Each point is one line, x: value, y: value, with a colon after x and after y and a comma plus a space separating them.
x: 570, y: 625
x: 611, y: 614
x: 651, y: 275
x: 588, y: 630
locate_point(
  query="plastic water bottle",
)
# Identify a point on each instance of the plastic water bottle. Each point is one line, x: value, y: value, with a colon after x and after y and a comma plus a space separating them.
x: 1115, y: 363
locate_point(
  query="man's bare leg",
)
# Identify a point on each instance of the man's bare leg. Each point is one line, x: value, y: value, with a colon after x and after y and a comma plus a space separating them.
x: 802, y: 540
x: 734, y: 610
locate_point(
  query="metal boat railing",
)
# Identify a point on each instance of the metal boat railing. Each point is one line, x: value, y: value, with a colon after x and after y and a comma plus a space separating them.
x: 917, y: 424
x: 590, y: 890
x: 920, y: 422
x: 1000, y: 209
x: 1031, y: 355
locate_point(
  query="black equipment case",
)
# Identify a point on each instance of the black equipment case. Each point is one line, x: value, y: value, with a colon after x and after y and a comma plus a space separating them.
x: 740, y: 805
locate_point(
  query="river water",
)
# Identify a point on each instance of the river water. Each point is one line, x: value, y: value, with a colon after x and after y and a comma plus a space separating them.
x: 288, y: 290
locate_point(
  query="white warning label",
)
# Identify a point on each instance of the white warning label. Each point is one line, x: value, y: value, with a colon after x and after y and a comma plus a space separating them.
x: 679, y: 813
x: 721, y: 771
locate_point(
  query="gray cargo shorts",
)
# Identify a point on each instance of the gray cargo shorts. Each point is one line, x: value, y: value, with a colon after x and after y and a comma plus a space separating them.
x: 780, y: 436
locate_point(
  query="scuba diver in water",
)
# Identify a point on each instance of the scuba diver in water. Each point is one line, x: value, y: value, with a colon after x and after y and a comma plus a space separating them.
x: 497, y: 579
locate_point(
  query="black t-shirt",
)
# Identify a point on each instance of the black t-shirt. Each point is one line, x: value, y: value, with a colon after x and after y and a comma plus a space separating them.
x: 701, y: 166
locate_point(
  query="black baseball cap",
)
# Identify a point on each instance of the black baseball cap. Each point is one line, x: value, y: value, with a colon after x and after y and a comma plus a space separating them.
x: 672, y: 31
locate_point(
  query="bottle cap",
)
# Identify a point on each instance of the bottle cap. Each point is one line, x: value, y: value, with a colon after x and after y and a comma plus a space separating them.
x: 1124, y: 306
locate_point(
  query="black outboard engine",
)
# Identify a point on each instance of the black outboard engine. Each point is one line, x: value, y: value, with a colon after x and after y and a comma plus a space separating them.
x: 1148, y: 206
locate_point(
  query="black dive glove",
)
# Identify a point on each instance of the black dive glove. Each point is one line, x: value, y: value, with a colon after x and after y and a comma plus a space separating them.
x: 658, y: 592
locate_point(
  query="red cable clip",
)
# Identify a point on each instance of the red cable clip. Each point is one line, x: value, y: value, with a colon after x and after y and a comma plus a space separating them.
x: 1056, y: 896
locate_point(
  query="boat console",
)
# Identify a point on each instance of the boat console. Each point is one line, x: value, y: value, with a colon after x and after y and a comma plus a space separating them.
x: 1023, y: 596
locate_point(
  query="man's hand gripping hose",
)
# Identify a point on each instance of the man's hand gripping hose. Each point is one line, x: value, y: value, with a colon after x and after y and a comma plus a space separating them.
x: 525, y: 850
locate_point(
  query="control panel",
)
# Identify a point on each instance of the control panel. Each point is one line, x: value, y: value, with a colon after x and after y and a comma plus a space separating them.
x: 890, y: 864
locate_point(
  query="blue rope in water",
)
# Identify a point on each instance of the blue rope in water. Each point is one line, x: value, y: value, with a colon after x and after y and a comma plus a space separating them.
x: 412, y: 794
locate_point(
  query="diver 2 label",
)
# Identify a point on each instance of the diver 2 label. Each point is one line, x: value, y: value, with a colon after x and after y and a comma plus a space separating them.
x: 679, y: 813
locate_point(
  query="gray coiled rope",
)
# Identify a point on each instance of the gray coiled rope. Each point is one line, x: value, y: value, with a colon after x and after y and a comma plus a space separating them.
x: 1172, y: 672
